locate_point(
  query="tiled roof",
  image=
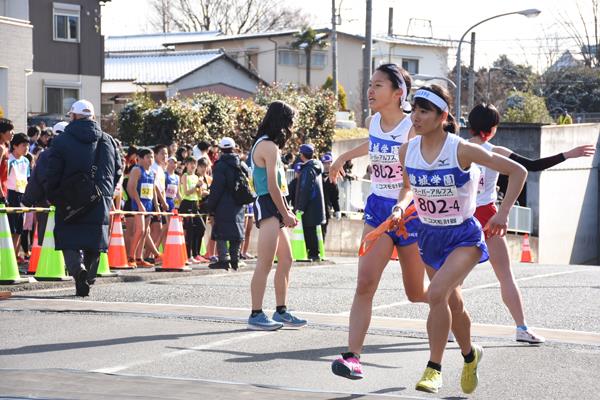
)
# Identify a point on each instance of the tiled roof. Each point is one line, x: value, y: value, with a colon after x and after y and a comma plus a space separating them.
x: 155, y: 67
x: 152, y: 41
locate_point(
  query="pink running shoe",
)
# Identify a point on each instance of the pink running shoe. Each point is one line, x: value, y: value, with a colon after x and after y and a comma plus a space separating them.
x: 348, y: 367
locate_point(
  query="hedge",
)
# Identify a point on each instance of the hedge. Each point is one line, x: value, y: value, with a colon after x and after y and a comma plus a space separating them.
x: 210, y: 116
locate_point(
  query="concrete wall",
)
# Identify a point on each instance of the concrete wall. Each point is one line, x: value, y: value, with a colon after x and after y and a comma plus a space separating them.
x: 569, y: 217
x: 432, y: 60
x: 16, y: 44
x: 563, y: 199
x: 89, y: 89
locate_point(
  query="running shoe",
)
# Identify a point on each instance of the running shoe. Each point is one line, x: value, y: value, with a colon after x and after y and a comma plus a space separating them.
x: 261, y: 322
x: 529, y: 336
x: 131, y: 263
x: 143, y: 263
x: 430, y: 382
x: 289, y: 320
x: 349, y: 368
x: 470, y: 377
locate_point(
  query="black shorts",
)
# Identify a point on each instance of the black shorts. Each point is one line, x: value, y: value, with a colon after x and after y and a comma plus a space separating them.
x: 15, y: 220
x: 264, y: 208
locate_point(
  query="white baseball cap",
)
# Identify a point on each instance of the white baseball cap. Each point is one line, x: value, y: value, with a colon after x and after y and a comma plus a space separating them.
x: 59, y: 127
x: 227, y: 143
x: 82, y: 107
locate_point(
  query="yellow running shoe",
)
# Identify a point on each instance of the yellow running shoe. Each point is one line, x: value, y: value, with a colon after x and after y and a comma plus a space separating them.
x: 430, y: 382
x: 470, y: 378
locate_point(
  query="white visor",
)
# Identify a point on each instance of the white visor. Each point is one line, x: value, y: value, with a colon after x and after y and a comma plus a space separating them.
x: 433, y: 98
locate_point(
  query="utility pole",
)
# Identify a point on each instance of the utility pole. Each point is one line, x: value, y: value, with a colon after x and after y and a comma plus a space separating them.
x: 471, y: 99
x: 366, y: 77
x: 334, y: 73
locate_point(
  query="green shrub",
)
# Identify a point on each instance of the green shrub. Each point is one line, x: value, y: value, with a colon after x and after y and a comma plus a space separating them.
x: 342, y: 98
x: 131, y: 119
x: 526, y: 108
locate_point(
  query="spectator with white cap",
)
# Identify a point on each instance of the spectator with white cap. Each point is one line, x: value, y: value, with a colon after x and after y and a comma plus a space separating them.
x: 81, y: 146
x: 228, y: 213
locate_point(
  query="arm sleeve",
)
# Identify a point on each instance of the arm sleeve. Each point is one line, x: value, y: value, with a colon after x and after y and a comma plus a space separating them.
x: 540, y: 164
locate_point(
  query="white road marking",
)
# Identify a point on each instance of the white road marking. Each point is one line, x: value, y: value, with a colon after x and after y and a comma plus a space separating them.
x: 472, y: 288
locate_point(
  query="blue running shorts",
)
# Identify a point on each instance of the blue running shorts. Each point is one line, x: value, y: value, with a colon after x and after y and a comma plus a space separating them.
x: 437, y: 242
x: 378, y: 209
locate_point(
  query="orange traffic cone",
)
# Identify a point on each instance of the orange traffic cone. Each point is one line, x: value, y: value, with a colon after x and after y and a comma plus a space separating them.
x: 526, y: 250
x: 174, y: 256
x: 117, y: 255
x: 36, y: 249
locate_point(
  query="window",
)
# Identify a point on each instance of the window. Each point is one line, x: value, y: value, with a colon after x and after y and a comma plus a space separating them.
x: 317, y: 59
x: 59, y: 100
x: 66, y: 22
x: 288, y: 57
x: 411, y: 66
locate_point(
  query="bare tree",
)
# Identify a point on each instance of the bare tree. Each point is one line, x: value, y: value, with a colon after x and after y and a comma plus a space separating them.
x: 586, y: 34
x: 234, y: 16
x: 163, y: 17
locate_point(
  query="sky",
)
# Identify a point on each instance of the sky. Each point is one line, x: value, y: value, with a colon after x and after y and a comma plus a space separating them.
x: 523, y: 40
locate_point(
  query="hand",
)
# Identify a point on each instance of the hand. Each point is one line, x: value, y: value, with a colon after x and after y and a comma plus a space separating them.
x: 336, y: 171
x: 497, y: 225
x: 586, y: 150
x: 337, y: 215
x: 290, y: 220
x: 141, y: 207
x: 396, y: 218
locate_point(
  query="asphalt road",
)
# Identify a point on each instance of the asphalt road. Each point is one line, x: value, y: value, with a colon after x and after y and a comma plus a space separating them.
x: 185, y: 337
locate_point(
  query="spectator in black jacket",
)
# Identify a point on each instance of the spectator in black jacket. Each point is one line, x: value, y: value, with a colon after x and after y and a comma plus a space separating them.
x: 73, y: 151
x: 309, y: 199
x: 331, y: 194
x: 228, y: 214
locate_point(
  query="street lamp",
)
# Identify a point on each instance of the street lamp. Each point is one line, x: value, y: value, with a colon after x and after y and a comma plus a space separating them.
x: 529, y: 13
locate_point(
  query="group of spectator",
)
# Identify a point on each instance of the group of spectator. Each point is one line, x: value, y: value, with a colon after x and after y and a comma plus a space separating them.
x: 198, y: 180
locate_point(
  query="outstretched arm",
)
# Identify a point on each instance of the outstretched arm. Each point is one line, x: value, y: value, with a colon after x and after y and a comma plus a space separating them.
x: 541, y: 164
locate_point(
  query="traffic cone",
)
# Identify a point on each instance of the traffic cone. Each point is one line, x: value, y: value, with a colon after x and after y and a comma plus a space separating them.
x: 174, y: 256
x: 51, y: 266
x: 9, y: 269
x: 321, y: 242
x: 35, y: 254
x: 526, y: 250
x: 103, y: 269
x: 297, y: 241
x: 117, y: 254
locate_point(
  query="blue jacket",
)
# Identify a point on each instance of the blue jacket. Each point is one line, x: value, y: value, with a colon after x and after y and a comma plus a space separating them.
x: 229, y: 216
x: 73, y: 152
x: 309, y: 194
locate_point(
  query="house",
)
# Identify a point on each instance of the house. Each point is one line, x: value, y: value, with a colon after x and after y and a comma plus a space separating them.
x: 568, y: 59
x: 165, y: 73
x: 16, y: 62
x: 68, y: 52
x: 273, y: 58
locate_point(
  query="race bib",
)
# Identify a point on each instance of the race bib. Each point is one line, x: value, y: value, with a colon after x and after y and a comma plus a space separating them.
x: 21, y: 184
x: 171, y: 191
x: 147, y: 191
x: 481, y: 185
x: 438, y: 205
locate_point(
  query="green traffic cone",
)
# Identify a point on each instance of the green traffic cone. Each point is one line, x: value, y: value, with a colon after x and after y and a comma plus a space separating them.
x: 51, y: 266
x: 297, y: 241
x: 321, y: 242
x: 9, y: 269
x: 103, y: 268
